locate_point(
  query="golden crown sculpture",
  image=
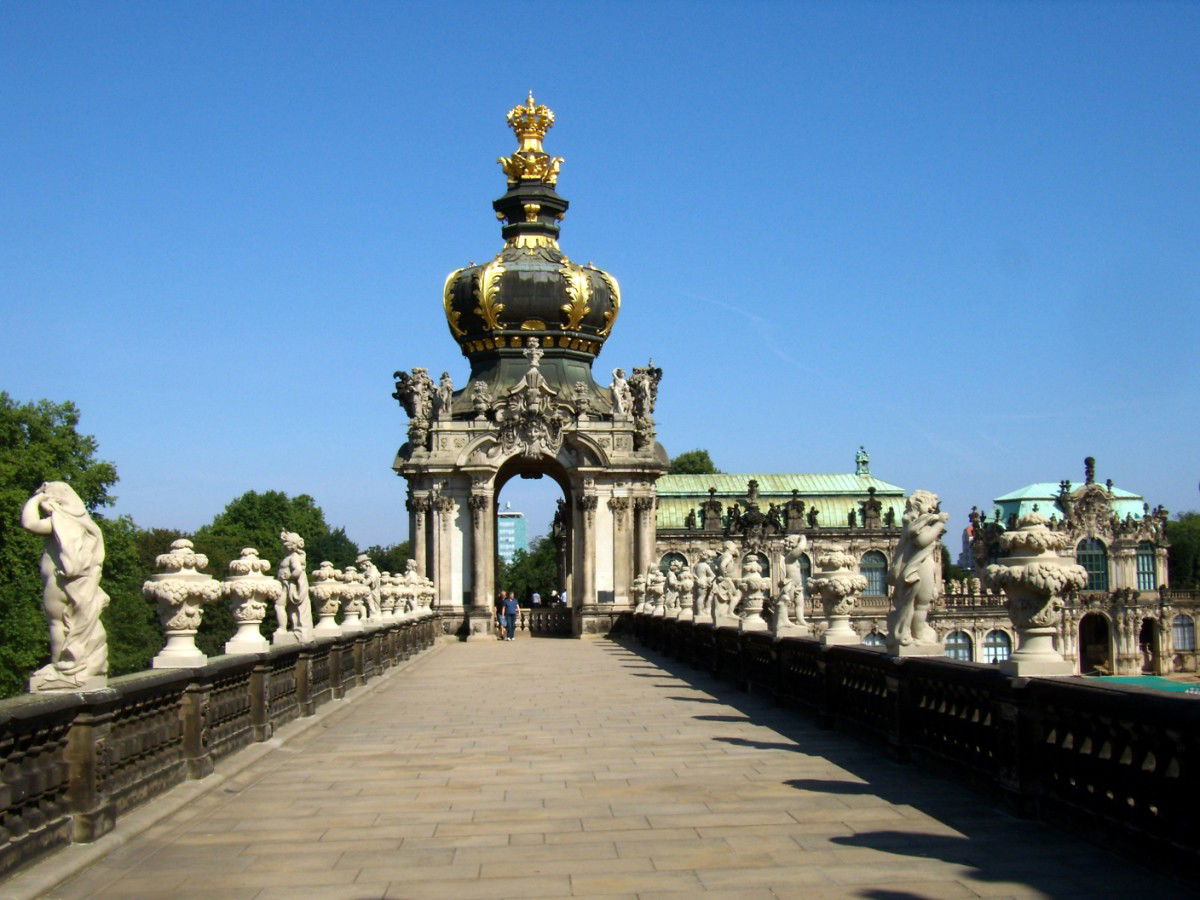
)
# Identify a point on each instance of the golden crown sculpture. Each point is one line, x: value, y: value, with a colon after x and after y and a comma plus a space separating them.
x: 530, y: 162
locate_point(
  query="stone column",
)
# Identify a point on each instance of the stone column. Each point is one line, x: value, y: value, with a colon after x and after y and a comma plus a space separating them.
x: 418, y: 506
x: 443, y: 513
x: 644, y: 507
x: 479, y: 616
x: 587, y: 502
x: 622, y: 549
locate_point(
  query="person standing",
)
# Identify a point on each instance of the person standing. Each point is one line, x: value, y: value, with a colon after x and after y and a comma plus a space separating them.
x: 510, y: 614
x: 537, y: 599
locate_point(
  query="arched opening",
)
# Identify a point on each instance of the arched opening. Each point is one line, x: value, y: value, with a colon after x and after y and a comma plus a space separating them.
x: 764, y: 565
x: 1149, y: 646
x: 532, y: 531
x: 874, y: 568
x: 960, y: 646
x: 997, y: 646
x: 664, y: 564
x: 1094, y: 645
x: 1147, y: 577
x: 1093, y: 556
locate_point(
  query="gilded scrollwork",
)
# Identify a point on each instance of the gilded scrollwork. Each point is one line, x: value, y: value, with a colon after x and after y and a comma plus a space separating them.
x: 452, y: 315
x: 486, y: 290
x: 610, y: 317
x: 579, y: 293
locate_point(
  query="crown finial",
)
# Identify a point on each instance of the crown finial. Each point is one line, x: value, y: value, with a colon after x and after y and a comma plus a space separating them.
x: 530, y: 162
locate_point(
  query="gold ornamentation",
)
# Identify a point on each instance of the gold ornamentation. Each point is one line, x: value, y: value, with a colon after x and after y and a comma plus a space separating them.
x: 579, y: 292
x: 531, y: 211
x: 533, y: 325
x: 530, y: 162
x: 532, y: 242
x: 452, y: 314
x: 610, y: 317
x: 486, y: 289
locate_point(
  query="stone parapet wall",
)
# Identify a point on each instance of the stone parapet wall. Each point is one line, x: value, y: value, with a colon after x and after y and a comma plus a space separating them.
x: 72, y: 763
x: 1120, y: 765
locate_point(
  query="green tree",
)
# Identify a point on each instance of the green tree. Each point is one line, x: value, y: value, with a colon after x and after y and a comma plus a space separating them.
x: 951, y: 572
x: 1183, y: 559
x: 530, y: 570
x: 41, y: 442
x: 694, y: 462
x: 391, y: 558
x: 255, y: 520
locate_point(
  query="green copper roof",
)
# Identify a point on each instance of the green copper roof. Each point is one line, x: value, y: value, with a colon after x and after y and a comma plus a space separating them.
x: 1044, y: 495
x: 833, y: 495
x: 783, y: 485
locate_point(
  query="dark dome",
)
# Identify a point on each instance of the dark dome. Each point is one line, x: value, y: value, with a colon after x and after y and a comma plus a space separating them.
x: 530, y: 289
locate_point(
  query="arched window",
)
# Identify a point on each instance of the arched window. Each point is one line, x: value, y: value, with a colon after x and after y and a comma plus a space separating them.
x: 997, y: 646
x: 1147, y: 577
x: 1094, y: 558
x: 763, y: 562
x: 874, y: 569
x: 959, y: 646
x: 873, y: 639
x: 805, y: 570
x: 1183, y: 633
x: 665, y: 563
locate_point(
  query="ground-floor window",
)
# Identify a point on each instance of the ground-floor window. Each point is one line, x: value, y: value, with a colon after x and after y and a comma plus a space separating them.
x: 997, y: 646
x: 959, y: 646
x: 1183, y: 633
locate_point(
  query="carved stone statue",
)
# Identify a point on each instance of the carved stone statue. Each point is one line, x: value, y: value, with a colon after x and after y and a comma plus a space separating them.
x: 293, y: 611
x: 725, y: 595
x: 813, y: 512
x: 671, y: 595
x: 445, y: 395
x: 370, y: 576
x: 705, y: 577
x: 872, y: 510
x: 622, y: 394
x: 656, y: 587
x: 791, y: 595
x: 72, y: 598
x: 862, y: 461
x: 415, y: 392
x: 914, y: 574
x: 644, y: 386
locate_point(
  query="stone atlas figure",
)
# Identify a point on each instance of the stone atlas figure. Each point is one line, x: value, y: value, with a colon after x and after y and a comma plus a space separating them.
x: 71, y: 597
x: 293, y: 611
x: 914, y: 572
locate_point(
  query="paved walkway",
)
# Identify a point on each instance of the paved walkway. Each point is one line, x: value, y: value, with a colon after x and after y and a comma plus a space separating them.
x: 555, y: 768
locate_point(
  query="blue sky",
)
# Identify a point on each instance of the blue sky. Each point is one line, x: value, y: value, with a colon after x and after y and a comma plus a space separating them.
x: 962, y: 234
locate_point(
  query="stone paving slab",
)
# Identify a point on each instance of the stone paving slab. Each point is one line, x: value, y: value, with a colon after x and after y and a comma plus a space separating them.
x: 551, y: 768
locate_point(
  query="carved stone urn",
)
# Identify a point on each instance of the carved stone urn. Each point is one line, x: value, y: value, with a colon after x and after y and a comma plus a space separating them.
x: 754, y: 587
x: 389, y: 596
x: 181, y: 590
x: 325, y: 586
x: 249, y: 591
x: 638, y: 591
x: 838, y: 585
x: 656, y: 588
x: 354, y: 601
x: 1034, y: 578
x: 425, y: 594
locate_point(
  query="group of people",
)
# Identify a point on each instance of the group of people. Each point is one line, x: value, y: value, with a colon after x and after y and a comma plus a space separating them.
x: 507, y: 607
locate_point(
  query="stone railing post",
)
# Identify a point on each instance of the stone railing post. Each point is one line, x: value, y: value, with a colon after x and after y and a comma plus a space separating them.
x: 195, y: 730
x: 260, y: 700
x: 93, y: 813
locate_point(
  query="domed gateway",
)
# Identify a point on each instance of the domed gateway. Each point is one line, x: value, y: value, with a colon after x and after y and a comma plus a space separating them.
x: 531, y: 322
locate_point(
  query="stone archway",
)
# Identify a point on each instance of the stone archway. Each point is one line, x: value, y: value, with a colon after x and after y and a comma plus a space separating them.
x: 1150, y: 645
x: 1095, y: 645
x: 531, y: 322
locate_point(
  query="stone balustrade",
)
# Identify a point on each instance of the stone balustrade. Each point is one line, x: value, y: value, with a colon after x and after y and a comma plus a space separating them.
x: 1119, y: 764
x: 72, y: 763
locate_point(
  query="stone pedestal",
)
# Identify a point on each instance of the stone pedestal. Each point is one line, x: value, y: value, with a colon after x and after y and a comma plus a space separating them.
x: 480, y: 624
x: 936, y: 648
x: 39, y: 683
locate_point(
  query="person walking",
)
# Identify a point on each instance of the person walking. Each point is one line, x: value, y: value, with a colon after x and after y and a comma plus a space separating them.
x: 510, y: 614
x: 500, y: 614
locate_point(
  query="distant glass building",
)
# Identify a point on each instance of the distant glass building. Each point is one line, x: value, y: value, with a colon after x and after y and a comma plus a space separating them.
x: 511, y: 534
